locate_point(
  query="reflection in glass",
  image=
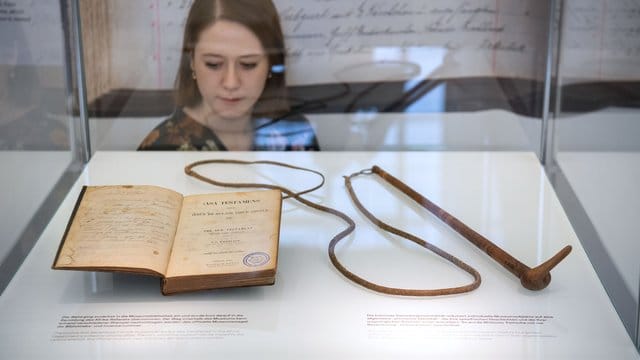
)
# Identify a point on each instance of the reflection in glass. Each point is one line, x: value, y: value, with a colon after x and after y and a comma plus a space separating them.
x: 25, y: 121
x: 345, y: 59
x: 595, y: 163
x: 35, y: 142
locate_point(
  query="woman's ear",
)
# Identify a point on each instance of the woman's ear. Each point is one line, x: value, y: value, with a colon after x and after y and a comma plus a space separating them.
x: 192, y: 66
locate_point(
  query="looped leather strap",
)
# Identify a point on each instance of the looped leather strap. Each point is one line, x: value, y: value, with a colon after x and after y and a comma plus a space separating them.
x: 388, y: 228
x: 288, y: 193
x: 189, y: 170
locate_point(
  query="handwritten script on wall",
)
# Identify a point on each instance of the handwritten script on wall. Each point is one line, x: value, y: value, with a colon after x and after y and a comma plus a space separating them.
x: 600, y: 40
x: 347, y: 40
x: 377, y: 40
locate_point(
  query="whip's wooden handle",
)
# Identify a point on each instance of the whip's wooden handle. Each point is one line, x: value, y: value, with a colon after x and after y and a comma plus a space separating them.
x: 536, y: 278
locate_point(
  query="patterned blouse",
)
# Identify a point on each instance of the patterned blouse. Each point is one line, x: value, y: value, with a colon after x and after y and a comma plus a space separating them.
x: 181, y: 132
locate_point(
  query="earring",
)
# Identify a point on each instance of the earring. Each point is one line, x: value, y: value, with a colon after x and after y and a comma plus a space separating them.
x: 193, y: 75
x: 270, y: 75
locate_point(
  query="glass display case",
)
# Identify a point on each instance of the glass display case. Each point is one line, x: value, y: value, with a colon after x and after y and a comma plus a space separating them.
x: 520, y: 117
x: 42, y: 141
x: 367, y: 75
x: 594, y: 141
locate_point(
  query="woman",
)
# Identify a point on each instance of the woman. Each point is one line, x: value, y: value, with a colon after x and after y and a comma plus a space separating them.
x: 230, y: 86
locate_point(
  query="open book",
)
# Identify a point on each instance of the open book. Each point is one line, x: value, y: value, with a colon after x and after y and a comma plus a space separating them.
x: 192, y: 242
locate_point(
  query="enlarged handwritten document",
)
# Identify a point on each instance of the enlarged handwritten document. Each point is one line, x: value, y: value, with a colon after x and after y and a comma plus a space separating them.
x: 192, y: 242
x: 375, y: 40
x: 347, y: 40
x: 600, y: 41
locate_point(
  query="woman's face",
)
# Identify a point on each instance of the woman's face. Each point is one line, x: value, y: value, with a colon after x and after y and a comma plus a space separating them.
x: 231, y: 68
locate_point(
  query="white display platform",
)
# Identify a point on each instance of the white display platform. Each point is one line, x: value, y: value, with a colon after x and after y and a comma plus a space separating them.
x: 313, y: 312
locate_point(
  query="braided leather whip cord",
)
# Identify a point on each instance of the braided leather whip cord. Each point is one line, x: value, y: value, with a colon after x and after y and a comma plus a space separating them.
x: 189, y: 170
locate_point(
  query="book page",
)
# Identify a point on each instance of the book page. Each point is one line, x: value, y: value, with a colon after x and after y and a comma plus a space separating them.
x: 122, y: 227
x: 227, y: 233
